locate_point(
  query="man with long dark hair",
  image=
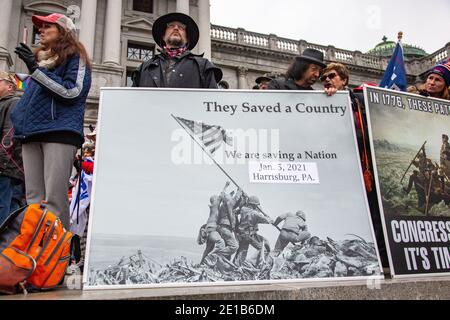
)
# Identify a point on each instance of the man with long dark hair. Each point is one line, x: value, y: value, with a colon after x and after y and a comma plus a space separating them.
x: 176, y: 66
x: 302, y: 73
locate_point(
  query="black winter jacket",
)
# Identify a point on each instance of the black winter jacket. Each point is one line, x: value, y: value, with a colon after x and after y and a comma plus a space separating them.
x: 9, y: 167
x: 285, y: 84
x: 187, y: 71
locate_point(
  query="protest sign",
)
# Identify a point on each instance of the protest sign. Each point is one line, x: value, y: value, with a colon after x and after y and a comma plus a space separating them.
x: 412, y: 164
x: 203, y: 187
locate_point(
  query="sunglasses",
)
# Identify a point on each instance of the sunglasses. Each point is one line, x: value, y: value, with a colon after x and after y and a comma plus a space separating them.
x: 180, y: 25
x: 329, y: 76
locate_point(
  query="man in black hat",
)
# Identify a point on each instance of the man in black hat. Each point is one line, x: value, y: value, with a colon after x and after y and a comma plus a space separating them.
x: 263, y: 81
x: 176, y: 66
x: 303, y: 72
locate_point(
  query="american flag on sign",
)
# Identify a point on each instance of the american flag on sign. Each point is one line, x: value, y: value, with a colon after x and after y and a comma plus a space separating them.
x: 212, y: 136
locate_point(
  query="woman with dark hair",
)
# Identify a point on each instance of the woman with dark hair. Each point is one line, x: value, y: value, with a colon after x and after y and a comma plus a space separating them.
x: 49, y: 117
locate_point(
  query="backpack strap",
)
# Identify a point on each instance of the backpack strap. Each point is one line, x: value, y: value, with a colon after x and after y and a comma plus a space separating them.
x: 367, y: 174
x: 8, y: 148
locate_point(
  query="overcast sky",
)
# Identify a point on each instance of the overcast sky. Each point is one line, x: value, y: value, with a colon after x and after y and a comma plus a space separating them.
x: 348, y: 24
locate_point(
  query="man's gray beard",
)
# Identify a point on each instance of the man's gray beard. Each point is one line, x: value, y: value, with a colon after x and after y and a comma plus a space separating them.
x: 175, y: 42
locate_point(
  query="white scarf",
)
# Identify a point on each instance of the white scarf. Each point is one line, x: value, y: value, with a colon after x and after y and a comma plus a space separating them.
x: 47, y: 59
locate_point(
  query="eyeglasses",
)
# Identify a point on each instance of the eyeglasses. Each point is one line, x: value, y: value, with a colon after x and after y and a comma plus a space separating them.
x: 329, y: 76
x: 180, y: 25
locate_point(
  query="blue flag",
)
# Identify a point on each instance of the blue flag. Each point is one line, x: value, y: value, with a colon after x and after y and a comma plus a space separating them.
x: 395, y: 74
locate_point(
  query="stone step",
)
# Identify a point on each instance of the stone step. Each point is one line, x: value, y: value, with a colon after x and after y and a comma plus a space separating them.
x: 423, y: 288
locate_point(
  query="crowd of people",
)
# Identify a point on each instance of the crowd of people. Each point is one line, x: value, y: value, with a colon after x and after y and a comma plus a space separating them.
x: 42, y: 130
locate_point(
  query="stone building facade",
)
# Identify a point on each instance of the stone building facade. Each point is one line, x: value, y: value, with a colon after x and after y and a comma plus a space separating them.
x: 117, y: 35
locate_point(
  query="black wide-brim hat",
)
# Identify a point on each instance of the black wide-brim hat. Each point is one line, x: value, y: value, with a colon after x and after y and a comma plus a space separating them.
x: 160, y: 26
x: 263, y: 78
x: 313, y: 56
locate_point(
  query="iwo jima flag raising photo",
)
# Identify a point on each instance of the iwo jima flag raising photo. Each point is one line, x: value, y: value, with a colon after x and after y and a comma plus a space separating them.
x: 412, y: 165
x: 227, y: 187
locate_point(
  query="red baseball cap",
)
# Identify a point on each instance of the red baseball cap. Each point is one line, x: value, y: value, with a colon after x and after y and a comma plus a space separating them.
x: 55, y: 18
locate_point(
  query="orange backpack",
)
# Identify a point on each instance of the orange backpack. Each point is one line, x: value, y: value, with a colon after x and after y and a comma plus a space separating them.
x: 34, y: 249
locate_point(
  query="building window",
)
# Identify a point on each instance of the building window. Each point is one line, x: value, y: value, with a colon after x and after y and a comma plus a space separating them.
x: 139, y: 52
x: 143, y: 6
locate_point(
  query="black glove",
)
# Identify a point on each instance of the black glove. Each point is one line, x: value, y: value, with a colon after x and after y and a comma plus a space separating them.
x: 25, y: 53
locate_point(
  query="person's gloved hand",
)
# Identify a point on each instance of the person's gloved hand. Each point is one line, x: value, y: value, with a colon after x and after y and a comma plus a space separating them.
x: 24, y: 52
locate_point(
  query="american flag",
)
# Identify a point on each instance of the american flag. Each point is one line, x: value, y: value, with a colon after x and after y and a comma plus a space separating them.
x: 212, y: 136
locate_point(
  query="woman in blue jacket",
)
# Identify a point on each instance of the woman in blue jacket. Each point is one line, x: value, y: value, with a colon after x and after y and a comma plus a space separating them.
x: 49, y: 117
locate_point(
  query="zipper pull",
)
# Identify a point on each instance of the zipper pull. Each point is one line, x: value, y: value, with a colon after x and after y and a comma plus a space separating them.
x: 47, y: 226
x: 55, y: 233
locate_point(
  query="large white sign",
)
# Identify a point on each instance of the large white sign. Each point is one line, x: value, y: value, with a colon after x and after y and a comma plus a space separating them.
x: 201, y: 187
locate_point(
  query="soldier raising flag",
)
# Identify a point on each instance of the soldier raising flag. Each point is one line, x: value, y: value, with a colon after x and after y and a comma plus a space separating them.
x: 210, y: 138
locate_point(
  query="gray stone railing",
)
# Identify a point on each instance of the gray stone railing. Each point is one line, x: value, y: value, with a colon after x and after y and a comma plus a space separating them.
x: 272, y: 42
x: 437, y: 57
x: 223, y: 33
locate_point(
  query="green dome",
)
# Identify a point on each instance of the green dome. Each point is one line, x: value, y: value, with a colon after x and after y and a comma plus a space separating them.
x: 386, y: 49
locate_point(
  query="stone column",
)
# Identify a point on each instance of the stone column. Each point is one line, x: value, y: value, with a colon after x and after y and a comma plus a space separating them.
x: 204, y: 24
x: 5, y: 17
x: 240, y: 35
x: 302, y: 45
x: 111, y: 44
x: 357, y: 58
x: 87, y: 25
x: 183, y: 6
x: 242, y: 78
x: 330, y: 54
x: 273, y: 41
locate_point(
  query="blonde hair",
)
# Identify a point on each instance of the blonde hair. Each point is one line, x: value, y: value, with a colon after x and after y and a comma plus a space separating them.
x: 8, y: 77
